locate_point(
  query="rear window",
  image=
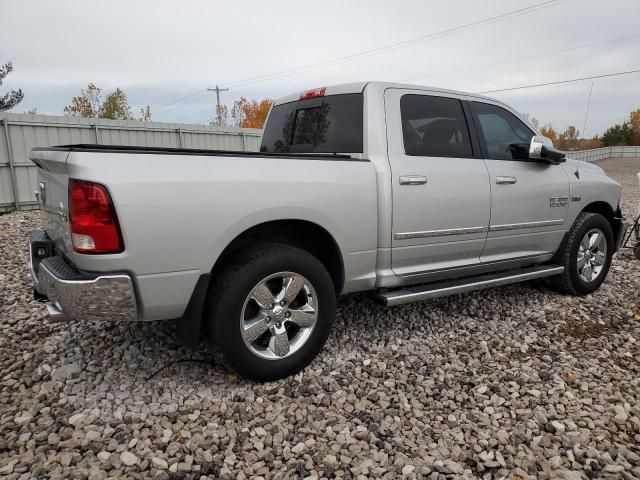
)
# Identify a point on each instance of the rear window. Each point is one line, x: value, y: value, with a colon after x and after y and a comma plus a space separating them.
x: 330, y: 124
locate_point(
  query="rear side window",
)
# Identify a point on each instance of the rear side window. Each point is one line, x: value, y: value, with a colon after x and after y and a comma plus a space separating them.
x: 331, y: 124
x: 434, y: 127
x: 504, y: 135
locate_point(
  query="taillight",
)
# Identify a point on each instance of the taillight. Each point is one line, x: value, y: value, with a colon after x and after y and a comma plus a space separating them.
x: 94, y: 225
x: 316, y: 92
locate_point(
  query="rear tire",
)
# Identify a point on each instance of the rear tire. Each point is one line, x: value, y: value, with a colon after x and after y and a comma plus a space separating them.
x: 585, y: 255
x: 269, y: 312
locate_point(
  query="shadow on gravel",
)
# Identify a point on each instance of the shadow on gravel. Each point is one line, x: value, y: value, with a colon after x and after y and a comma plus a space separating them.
x: 148, y: 351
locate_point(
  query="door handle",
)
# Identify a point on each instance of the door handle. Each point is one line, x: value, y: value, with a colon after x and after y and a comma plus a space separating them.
x: 506, y: 180
x: 413, y: 180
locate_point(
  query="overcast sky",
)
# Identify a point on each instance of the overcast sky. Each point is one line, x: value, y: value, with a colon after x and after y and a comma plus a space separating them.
x: 158, y: 51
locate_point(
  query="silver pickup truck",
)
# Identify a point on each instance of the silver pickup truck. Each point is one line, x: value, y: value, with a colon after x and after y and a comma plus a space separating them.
x: 405, y: 191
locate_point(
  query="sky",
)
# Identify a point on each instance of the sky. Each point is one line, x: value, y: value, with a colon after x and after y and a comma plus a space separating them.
x: 160, y: 51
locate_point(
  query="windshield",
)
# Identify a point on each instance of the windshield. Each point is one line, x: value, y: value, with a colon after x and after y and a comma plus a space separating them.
x: 330, y: 124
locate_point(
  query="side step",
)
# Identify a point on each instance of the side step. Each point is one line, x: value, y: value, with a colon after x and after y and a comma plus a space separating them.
x: 417, y: 293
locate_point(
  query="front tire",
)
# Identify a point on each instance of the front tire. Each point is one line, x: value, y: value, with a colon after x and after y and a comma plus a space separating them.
x: 270, y: 310
x: 586, y: 255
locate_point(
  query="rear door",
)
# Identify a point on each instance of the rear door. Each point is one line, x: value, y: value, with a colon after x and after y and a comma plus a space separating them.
x: 529, y: 199
x: 440, y: 185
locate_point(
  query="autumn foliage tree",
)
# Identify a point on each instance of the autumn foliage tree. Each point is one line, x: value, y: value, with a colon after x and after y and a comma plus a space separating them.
x: 251, y: 113
x: 634, y: 123
x: 87, y: 104
x: 549, y: 132
x: 244, y: 113
x: 569, y: 139
x: 115, y: 106
x: 626, y: 133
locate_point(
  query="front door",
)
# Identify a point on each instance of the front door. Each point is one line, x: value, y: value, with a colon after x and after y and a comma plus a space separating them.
x: 529, y: 199
x: 440, y: 186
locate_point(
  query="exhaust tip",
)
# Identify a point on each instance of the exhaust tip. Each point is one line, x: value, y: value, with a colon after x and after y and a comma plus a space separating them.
x: 54, y: 313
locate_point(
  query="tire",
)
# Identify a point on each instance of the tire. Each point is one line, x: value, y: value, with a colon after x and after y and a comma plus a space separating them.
x: 575, y: 279
x: 249, y: 325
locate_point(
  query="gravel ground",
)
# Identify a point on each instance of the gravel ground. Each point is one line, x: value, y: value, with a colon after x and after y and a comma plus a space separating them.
x: 515, y: 383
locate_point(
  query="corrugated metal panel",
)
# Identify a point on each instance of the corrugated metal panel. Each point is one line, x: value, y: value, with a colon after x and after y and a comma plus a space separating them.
x: 605, y: 152
x: 26, y: 131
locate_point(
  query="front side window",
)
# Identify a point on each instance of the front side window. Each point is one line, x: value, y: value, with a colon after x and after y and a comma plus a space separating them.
x: 505, y: 136
x: 434, y: 127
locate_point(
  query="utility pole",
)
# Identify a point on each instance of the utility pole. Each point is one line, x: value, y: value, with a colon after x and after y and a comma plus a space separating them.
x: 218, y: 90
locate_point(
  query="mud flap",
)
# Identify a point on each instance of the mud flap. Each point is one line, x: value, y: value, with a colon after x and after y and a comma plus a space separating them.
x: 189, y: 326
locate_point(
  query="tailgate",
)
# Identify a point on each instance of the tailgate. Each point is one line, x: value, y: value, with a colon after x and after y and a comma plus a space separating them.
x: 52, y: 193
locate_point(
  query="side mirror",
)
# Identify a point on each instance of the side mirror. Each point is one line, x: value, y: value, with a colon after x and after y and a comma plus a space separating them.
x: 541, y: 148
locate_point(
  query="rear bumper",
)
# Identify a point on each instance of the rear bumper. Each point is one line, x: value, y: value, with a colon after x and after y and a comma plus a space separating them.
x: 77, y: 295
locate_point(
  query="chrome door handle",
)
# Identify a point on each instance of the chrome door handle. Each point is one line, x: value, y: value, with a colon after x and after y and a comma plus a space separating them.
x: 413, y: 180
x: 506, y: 180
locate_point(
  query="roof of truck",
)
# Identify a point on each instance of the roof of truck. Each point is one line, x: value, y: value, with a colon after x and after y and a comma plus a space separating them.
x: 358, y: 87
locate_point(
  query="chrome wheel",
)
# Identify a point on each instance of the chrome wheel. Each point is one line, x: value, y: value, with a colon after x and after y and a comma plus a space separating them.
x: 279, y: 315
x: 592, y: 255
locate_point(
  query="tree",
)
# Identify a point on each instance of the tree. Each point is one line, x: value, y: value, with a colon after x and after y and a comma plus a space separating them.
x: 595, y: 142
x: 569, y: 139
x: 244, y: 113
x: 634, y: 123
x: 252, y: 114
x: 13, y: 97
x: 549, y: 132
x: 89, y: 104
x: 222, y: 116
x: 116, y: 107
x: 618, y: 135
x: 145, y: 114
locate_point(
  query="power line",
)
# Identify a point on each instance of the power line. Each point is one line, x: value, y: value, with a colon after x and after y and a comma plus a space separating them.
x: 197, y: 92
x: 562, y: 81
x: 197, y: 113
x: 504, y: 62
x: 404, y: 43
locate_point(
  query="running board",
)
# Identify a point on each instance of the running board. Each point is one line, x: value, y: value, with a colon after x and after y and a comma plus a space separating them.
x: 418, y: 293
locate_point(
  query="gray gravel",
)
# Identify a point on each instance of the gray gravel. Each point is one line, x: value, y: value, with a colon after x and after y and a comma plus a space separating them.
x: 513, y: 383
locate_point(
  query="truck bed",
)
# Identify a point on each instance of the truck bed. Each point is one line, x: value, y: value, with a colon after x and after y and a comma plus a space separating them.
x: 178, y: 209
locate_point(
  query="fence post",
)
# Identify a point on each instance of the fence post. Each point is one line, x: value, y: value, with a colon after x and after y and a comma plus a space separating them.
x: 179, y: 131
x: 12, y: 172
x: 95, y: 129
x: 244, y: 143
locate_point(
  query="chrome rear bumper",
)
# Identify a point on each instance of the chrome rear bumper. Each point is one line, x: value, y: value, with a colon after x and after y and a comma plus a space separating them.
x: 78, y: 295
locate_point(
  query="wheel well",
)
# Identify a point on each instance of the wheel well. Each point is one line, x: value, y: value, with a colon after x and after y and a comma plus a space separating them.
x: 607, y: 212
x: 299, y: 233
x: 603, y: 208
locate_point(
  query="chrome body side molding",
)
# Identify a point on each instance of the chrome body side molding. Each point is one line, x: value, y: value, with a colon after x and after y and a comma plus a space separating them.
x: 517, y: 226
x: 465, y: 231
x: 439, y: 233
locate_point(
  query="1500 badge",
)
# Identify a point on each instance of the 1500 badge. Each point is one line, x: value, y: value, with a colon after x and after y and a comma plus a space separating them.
x: 558, y: 201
